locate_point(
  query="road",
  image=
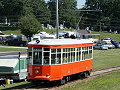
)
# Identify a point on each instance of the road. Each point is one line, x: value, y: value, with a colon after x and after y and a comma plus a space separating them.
x: 13, y: 52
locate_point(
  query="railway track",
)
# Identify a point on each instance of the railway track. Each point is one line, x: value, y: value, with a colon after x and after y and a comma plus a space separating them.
x: 54, y: 87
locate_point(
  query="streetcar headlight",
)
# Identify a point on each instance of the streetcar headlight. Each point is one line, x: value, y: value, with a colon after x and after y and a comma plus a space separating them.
x: 36, y: 71
x: 47, y: 75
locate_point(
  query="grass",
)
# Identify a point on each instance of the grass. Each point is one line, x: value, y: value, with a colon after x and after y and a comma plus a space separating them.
x: 19, y: 85
x: 2, y: 49
x: 108, y: 35
x: 102, y: 59
x: 104, y: 82
x: 16, y: 32
x: 106, y: 58
x: 108, y: 81
x: 10, y: 30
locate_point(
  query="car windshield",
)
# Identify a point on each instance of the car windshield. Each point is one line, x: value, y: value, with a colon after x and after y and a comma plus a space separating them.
x: 35, y: 38
x: 107, y: 39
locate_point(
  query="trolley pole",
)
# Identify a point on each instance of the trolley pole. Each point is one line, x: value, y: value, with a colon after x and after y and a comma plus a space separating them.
x: 57, y: 19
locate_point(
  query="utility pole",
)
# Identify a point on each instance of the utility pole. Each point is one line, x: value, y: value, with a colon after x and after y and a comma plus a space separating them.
x: 57, y: 19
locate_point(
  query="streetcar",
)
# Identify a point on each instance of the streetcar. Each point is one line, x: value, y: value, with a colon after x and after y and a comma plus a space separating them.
x: 59, y: 59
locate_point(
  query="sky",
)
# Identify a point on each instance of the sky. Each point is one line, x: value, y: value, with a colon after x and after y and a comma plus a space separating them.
x: 80, y: 3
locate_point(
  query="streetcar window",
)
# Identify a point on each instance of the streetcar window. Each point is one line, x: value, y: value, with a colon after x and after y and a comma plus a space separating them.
x: 37, y: 49
x: 90, y: 52
x: 58, y: 61
x: 69, y: 56
x: 86, y: 53
x: 37, y: 57
x: 83, y: 53
x: 64, y: 60
x: 53, y: 50
x: 46, y: 58
x: 46, y: 49
x: 78, y: 54
x: 58, y: 50
x: 55, y: 56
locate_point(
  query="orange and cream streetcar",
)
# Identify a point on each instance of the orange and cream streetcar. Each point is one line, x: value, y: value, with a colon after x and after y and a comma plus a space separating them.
x: 59, y: 59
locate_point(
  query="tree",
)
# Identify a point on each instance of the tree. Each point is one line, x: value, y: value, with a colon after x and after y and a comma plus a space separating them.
x: 109, y: 17
x: 40, y: 10
x: 30, y: 26
x: 15, y: 9
x: 66, y: 12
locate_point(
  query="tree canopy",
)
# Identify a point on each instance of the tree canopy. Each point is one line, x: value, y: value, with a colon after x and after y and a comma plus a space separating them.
x: 29, y: 26
x: 66, y: 16
x: 69, y: 14
x: 108, y: 18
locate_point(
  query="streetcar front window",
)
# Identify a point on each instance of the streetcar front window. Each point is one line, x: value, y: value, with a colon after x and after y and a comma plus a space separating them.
x: 37, y: 56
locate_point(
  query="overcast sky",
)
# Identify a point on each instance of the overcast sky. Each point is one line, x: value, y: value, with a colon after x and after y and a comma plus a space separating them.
x: 79, y: 2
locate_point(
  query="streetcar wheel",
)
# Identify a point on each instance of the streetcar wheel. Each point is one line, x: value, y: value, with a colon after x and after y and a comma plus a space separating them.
x: 61, y: 82
x: 67, y: 78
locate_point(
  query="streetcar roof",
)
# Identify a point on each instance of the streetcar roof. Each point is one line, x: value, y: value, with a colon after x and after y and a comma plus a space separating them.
x: 61, y: 41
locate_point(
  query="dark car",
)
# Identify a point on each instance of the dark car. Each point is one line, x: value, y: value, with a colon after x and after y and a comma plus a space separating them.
x: 116, y: 44
x: 16, y: 42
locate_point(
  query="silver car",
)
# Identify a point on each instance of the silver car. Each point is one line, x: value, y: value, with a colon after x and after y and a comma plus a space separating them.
x: 101, y: 46
x: 110, y: 45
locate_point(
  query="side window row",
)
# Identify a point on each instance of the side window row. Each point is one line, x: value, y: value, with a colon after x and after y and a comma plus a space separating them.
x: 48, y: 56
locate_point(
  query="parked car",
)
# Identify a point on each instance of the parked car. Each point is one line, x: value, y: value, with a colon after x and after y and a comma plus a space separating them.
x: 3, y: 38
x: 101, y: 46
x: 106, y: 40
x: 16, y: 42
x: 119, y: 44
x: 116, y: 44
x: 110, y: 45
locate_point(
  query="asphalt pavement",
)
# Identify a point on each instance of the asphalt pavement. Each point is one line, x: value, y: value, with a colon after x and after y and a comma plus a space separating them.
x: 13, y: 52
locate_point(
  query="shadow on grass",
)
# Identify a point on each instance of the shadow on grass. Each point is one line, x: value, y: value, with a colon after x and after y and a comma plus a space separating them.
x: 23, y: 86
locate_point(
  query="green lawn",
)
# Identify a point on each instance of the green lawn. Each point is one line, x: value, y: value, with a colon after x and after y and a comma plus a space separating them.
x: 102, y: 59
x: 16, y: 32
x: 108, y: 35
x: 11, y: 49
x: 10, y: 30
x: 109, y: 81
x: 106, y: 58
